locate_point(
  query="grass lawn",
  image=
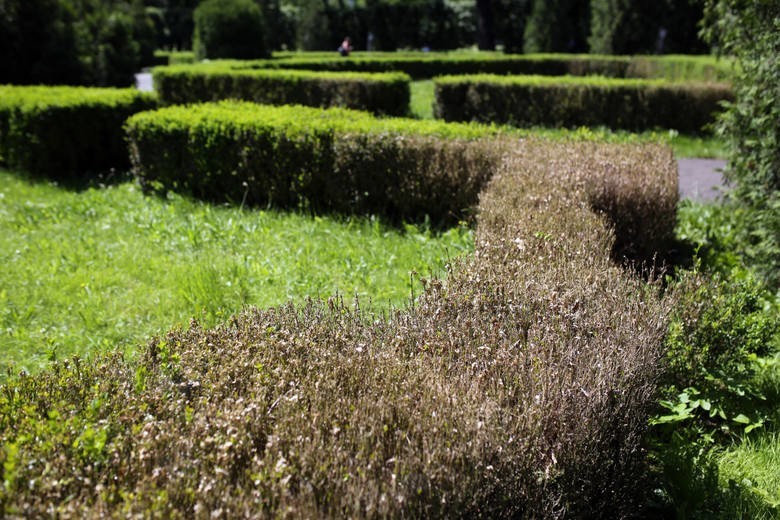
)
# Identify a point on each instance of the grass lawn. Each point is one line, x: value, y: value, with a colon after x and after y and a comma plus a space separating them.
x: 110, y: 267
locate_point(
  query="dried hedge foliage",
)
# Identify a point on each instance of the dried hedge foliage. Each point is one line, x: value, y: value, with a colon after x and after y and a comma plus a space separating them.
x: 517, y: 387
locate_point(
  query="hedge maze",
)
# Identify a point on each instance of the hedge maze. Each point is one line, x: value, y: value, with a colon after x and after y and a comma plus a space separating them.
x: 568, y: 101
x: 636, y: 93
x: 519, y: 386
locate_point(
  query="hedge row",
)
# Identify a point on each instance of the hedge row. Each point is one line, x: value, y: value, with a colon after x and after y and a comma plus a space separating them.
x: 344, y: 161
x: 333, y: 160
x: 386, y: 94
x: 66, y: 132
x: 162, y: 58
x: 517, y: 388
x: 571, y: 102
x: 428, y: 65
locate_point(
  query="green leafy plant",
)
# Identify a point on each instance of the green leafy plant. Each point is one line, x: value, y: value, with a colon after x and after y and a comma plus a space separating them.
x: 722, y: 328
x: 750, y: 31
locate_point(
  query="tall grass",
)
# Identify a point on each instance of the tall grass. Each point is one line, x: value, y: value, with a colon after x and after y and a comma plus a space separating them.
x: 84, y: 271
x: 750, y: 473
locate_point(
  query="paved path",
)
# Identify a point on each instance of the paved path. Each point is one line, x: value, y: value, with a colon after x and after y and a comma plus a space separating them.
x: 700, y: 179
x: 143, y: 81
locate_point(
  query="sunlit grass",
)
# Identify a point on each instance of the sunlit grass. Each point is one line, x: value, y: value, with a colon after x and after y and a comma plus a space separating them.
x: 421, y: 100
x: 105, y: 268
x: 751, y: 471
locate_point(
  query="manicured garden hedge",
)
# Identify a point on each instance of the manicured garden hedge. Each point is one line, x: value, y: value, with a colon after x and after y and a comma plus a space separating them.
x: 519, y: 387
x: 345, y: 161
x: 334, y: 160
x: 427, y: 65
x: 66, y: 132
x: 573, y: 101
x: 162, y: 58
x: 386, y: 93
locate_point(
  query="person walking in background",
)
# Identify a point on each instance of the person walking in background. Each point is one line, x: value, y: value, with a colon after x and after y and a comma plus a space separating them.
x: 346, y: 46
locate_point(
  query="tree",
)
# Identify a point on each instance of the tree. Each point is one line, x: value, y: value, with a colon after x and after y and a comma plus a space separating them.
x: 635, y: 26
x: 511, y: 17
x: 557, y: 26
x: 229, y: 29
x: 486, y: 30
x: 749, y: 30
x: 625, y: 26
x: 38, y: 43
x: 77, y: 42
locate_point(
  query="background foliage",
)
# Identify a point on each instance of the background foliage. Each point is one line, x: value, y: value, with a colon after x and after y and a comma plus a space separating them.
x: 103, y: 42
x: 229, y: 29
x: 750, y: 30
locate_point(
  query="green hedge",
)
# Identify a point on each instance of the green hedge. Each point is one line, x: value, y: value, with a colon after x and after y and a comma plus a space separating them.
x: 427, y: 65
x: 162, y: 58
x: 326, y: 160
x: 386, y: 94
x: 344, y: 161
x: 66, y: 132
x: 570, y: 101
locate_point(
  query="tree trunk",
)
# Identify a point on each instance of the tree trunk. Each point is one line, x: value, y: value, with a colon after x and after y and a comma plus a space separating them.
x: 486, y: 30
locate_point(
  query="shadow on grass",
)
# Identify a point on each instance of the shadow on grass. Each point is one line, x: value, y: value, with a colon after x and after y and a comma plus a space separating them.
x: 74, y: 183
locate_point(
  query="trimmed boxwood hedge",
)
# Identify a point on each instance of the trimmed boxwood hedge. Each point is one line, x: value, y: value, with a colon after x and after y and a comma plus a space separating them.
x: 386, y: 94
x: 427, y: 65
x: 173, y: 57
x: 66, y: 132
x: 579, y: 101
x: 344, y: 161
x: 334, y: 160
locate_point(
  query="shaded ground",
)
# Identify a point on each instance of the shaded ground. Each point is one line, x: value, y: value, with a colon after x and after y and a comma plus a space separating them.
x: 700, y: 179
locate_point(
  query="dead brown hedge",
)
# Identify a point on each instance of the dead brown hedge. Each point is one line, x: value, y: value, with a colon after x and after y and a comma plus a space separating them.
x: 517, y: 387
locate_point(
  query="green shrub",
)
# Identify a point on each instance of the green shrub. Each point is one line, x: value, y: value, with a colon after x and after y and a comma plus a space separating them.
x: 66, y: 132
x: 750, y: 31
x: 518, y: 387
x: 386, y: 93
x: 572, y: 102
x: 682, y: 68
x: 162, y: 58
x: 334, y: 160
x: 346, y: 161
x: 229, y: 29
x: 428, y: 65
